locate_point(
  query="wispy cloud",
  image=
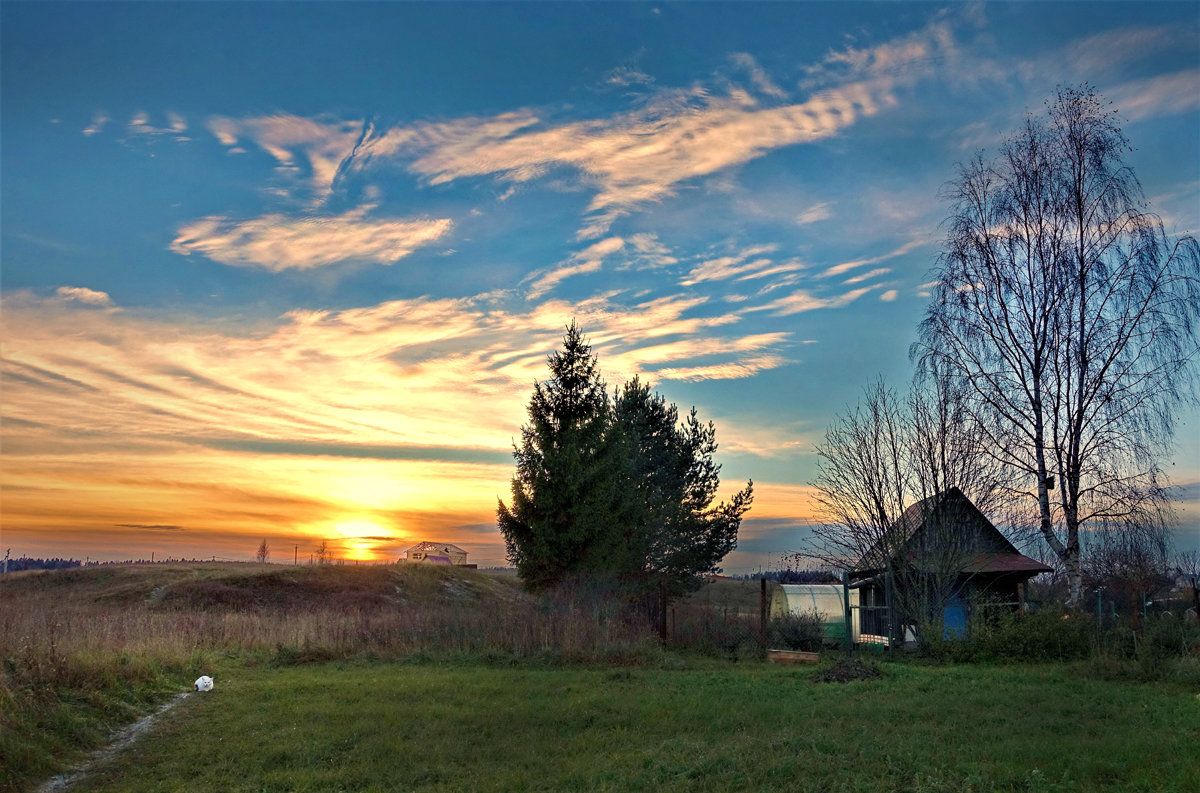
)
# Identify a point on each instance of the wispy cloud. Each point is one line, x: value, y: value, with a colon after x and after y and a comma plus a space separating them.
x: 757, y: 74
x: 588, y: 260
x: 747, y: 262
x: 650, y: 252
x: 1153, y: 97
x: 802, y: 300
x: 81, y: 294
x: 633, y: 158
x: 140, y: 125
x: 400, y: 373
x: 903, y: 59
x: 815, y: 213
x: 99, y: 120
x: 844, y: 267
x: 277, y: 242
x: 625, y: 76
x: 776, y: 440
x: 1104, y: 52
x: 868, y: 276
x: 322, y: 144
x: 737, y: 370
x: 630, y: 159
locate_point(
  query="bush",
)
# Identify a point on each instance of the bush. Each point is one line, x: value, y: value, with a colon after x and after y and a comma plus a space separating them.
x: 1167, y: 648
x: 796, y: 632
x: 1049, y: 635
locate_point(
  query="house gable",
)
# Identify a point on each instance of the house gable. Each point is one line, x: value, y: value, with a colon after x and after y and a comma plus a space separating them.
x: 946, y: 530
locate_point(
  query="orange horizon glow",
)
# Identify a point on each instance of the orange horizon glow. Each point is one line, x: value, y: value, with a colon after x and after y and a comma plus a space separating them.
x: 196, y: 440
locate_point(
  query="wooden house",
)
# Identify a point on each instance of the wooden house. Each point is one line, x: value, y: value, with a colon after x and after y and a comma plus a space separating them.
x: 940, y: 562
x: 436, y: 553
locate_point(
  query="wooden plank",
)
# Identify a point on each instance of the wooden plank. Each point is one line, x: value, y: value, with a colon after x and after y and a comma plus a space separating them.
x: 792, y: 657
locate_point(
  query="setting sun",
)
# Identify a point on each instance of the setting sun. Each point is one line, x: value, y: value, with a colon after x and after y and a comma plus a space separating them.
x: 313, y: 312
x: 362, y: 540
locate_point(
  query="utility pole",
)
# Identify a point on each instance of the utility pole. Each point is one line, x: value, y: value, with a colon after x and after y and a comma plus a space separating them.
x: 296, y: 554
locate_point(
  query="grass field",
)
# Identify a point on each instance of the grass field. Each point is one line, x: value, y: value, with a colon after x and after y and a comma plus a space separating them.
x: 715, y: 727
x: 427, y: 679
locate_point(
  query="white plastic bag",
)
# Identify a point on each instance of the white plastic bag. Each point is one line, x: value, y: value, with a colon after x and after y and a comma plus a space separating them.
x: 204, y: 683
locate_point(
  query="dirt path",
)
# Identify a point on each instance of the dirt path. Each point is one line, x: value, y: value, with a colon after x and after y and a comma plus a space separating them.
x: 121, y: 741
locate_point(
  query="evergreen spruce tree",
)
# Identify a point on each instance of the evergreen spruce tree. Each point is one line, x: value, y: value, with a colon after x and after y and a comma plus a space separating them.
x: 671, y: 531
x: 564, y: 493
x: 619, y: 490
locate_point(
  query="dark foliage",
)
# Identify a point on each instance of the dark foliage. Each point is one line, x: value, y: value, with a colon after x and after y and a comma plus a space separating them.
x: 669, y: 529
x: 620, y: 489
x: 796, y: 632
x: 565, y: 494
x: 1050, y: 635
x: 25, y: 563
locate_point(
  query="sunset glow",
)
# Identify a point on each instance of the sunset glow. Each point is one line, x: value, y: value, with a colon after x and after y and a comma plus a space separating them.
x: 306, y: 299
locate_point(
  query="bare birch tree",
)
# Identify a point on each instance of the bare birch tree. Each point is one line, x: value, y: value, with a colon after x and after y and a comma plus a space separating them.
x: 1068, y: 316
x: 886, y: 455
x: 863, y: 481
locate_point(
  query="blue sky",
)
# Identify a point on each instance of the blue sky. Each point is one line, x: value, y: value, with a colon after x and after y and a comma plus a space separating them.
x: 291, y: 269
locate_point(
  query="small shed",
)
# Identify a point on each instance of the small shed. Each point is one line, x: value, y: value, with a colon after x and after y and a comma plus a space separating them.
x: 436, y: 553
x: 941, y: 545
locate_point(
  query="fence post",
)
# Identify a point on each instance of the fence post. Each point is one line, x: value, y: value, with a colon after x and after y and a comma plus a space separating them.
x: 848, y: 641
x: 762, y: 614
x: 662, y: 610
x: 889, y: 586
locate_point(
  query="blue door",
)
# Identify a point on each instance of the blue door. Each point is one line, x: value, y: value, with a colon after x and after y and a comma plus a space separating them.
x: 954, y: 619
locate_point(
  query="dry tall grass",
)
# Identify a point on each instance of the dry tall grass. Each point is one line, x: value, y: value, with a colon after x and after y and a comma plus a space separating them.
x: 83, y: 650
x: 65, y: 628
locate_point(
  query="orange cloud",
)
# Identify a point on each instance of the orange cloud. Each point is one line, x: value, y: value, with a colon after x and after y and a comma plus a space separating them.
x: 633, y: 158
x: 297, y: 426
x: 277, y: 242
x: 323, y: 144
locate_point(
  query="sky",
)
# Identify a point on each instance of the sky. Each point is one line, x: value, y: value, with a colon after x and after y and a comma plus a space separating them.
x: 290, y: 270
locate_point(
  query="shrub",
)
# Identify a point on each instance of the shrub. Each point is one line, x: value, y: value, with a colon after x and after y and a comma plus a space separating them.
x: 1049, y: 635
x: 796, y: 632
x: 1167, y: 648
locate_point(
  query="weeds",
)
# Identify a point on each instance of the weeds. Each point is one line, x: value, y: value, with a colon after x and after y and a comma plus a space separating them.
x: 83, y: 651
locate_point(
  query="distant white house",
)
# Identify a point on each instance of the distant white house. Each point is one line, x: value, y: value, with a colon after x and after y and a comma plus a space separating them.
x: 436, y: 553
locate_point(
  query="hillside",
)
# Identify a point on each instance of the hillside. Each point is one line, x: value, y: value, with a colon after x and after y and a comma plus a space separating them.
x: 247, y: 587
x: 83, y: 651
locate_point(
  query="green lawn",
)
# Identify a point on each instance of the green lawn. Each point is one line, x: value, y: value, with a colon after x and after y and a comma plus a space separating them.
x: 362, y: 726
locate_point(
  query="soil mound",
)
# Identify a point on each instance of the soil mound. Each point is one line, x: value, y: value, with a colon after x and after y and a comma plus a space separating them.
x: 848, y: 669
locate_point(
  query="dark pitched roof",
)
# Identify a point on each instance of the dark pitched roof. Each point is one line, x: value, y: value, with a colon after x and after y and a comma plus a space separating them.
x: 920, y: 531
x: 1004, y: 563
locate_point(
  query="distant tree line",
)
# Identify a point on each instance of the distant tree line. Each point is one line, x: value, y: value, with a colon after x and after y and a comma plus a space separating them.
x: 791, y: 576
x: 26, y: 563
